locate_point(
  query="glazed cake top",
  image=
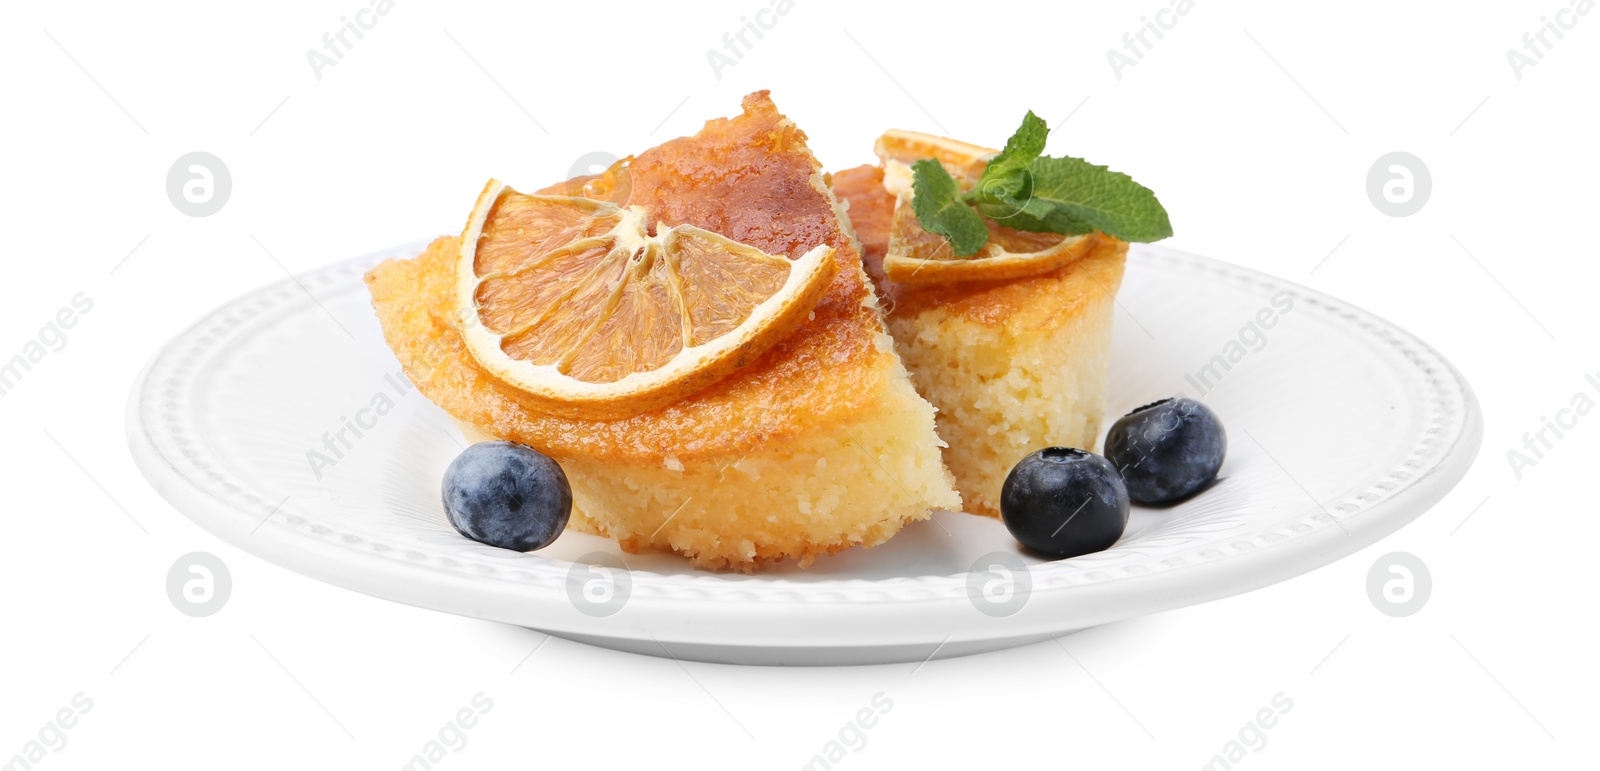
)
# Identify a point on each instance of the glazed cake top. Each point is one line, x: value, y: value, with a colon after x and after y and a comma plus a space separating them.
x: 751, y: 178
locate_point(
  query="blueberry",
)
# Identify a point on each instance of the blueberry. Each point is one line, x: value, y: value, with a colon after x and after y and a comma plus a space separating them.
x: 507, y: 495
x: 1063, y: 502
x: 1168, y: 449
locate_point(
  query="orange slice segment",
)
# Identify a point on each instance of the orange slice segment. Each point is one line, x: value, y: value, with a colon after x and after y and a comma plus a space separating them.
x: 916, y: 256
x: 572, y: 300
x: 899, y: 149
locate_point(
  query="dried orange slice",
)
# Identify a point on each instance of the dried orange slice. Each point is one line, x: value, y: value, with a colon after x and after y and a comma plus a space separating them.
x: 572, y: 301
x: 916, y: 256
x: 899, y: 149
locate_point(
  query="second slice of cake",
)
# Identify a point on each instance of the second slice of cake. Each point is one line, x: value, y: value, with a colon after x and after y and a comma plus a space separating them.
x: 1013, y: 365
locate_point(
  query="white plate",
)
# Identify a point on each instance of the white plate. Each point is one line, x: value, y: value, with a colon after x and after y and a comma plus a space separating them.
x: 1342, y: 428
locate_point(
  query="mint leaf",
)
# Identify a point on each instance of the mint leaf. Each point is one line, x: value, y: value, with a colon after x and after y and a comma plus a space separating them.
x: 936, y: 199
x: 1024, y: 145
x: 1038, y: 216
x: 1006, y: 177
x: 1074, y: 193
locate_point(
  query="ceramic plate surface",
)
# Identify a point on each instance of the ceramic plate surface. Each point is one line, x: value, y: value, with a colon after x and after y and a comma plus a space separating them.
x: 1342, y: 428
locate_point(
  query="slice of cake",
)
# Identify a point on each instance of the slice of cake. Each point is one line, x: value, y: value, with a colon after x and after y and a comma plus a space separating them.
x: 816, y: 445
x: 1014, y: 364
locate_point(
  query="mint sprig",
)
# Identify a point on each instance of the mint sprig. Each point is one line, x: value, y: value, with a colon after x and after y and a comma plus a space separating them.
x: 937, y: 200
x: 1024, y: 190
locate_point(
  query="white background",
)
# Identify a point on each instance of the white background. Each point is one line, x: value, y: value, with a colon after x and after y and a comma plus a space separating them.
x: 1256, y: 123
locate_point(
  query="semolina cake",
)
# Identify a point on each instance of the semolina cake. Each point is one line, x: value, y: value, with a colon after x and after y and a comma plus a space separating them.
x: 1012, y: 365
x: 818, y: 444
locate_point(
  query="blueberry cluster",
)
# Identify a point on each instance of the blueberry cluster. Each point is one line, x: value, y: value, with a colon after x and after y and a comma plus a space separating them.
x: 1063, y: 502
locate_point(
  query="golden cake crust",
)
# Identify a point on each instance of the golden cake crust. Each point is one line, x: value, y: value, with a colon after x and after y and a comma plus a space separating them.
x: 739, y: 177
